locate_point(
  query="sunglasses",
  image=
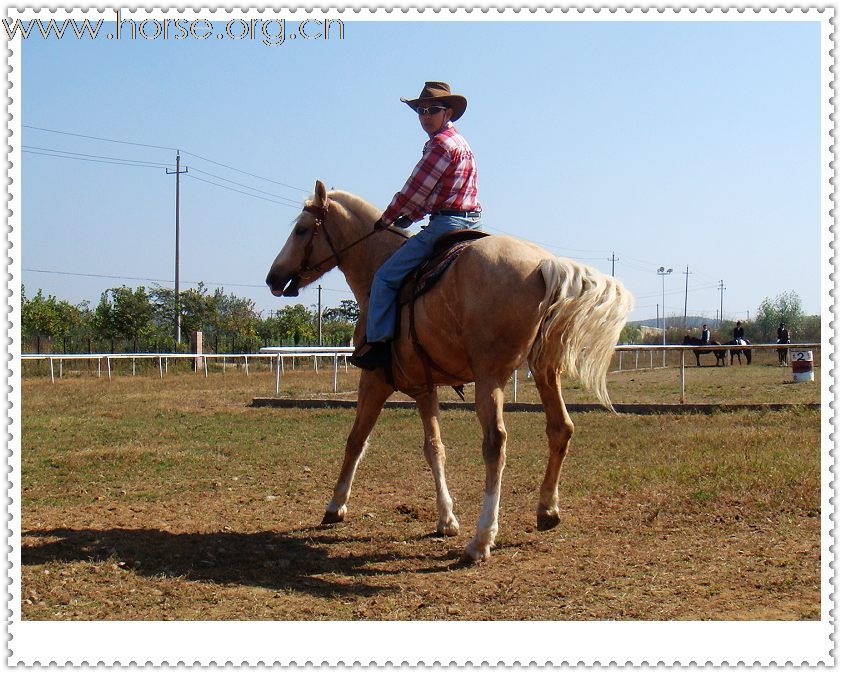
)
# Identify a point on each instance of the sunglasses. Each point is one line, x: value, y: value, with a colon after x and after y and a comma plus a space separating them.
x: 432, y: 110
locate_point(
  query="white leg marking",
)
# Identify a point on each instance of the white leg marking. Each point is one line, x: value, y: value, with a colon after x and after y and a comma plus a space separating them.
x: 480, y: 547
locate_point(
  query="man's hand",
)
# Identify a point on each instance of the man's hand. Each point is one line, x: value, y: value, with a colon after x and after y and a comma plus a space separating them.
x: 380, y: 224
x: 403, y: 221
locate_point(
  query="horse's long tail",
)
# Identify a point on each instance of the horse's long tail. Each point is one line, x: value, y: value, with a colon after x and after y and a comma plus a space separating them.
x: 584, y: 312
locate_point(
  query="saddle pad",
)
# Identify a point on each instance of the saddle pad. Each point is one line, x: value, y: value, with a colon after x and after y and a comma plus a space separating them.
x: 430, y: 271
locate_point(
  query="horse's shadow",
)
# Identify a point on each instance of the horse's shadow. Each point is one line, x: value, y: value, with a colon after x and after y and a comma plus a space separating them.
x: 295, y: 560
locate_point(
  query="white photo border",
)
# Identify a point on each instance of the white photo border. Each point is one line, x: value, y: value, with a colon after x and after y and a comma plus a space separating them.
x: 426, y: 643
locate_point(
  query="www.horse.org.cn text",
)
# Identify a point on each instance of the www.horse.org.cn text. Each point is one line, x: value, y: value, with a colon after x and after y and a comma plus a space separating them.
x: 271, y: 32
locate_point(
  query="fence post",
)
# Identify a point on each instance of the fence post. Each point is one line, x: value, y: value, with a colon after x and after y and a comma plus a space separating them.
x: 161, y: 366
x: 335, y: 372
x: 98, y: 367
x: 316, y: 364
x: 52, y: 373
x: 247, y: 366
x: 205, y: 361
x: 514, y: 385
x: 108, y: 363
x: 620, y: 365
x: 133, y: 367
x: 61, y: 368
x: 636, y: 354
x: 681, y: 399
x: 278, y: 374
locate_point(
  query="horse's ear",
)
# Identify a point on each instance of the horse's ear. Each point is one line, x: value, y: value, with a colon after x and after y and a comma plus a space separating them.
x: 321, y: 195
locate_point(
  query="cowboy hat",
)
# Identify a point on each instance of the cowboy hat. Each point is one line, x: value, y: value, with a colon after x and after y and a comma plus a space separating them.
x: 439, y: 92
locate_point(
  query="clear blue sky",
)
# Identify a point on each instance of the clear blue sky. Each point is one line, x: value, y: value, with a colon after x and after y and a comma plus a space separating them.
x: 669, y: 144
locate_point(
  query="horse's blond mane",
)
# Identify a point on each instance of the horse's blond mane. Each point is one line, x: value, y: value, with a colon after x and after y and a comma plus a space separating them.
x: 355, y: 205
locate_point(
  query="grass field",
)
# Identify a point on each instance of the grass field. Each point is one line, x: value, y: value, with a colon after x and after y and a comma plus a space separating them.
x: 174, y: 499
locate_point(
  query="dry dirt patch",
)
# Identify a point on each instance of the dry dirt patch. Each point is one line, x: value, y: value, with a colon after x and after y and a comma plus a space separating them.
x: 195, y: 506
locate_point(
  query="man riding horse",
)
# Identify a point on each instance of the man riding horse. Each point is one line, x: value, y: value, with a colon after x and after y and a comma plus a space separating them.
x: 444, y: 185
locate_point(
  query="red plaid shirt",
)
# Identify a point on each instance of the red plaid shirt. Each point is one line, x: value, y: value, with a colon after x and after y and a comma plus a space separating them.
x: 445, y: 178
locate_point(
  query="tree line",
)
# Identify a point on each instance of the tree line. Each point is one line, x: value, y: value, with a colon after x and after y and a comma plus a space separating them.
x: 763, y: 329
x: 138, y: 320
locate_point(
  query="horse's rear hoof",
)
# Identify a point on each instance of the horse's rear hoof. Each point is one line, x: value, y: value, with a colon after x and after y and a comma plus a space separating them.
x: 332, y: 518
x: 547, y: 521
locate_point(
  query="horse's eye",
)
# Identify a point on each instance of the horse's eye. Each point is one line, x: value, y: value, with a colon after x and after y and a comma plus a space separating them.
x: 300, y: 231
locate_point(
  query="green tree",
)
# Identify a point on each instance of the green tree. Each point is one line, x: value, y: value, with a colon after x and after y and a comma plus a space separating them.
x: 123, y: 312
x: 347, y: 312
x: 39, y: 317
x: 238, y: 319
x: 630, y: 334
x: 199, y: 311
x: 296, y: 324
x: 785, y: 308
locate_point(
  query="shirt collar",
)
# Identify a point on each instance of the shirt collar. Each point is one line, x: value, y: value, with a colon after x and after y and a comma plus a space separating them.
x: 445, y: 129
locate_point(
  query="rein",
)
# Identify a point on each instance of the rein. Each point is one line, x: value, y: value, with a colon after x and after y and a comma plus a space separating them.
x: 320, y: 213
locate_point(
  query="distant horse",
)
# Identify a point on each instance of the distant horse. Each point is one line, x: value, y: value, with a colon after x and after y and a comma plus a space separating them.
x: 719, y: 353
x: 739, y: 352
x: 501, y: 302
x: 782, y: 352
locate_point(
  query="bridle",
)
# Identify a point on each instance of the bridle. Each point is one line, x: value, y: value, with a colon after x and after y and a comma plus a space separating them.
x: 320, y: 215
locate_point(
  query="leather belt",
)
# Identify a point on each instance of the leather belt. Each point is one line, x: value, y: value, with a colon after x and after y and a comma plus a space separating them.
x: 456, y: 214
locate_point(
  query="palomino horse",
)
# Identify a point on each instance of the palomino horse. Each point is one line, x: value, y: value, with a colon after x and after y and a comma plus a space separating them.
x: 738, y: 352
x: 718, y: 353
x: 502, y: 301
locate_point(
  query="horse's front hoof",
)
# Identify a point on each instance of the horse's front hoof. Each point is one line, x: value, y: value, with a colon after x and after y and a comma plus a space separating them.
x: 450, y: 528
x: 547, y: 520
x: 474, y: 554
x: 333, y: 518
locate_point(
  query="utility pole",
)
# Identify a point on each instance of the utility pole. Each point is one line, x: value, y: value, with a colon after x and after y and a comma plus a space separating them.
x: 686, y: 286
x: 657, y: 315
x: 721, y: 295
x: 177, y: 173
x: 612, y: 260
x: 663, y: 273
x: 320, y: 315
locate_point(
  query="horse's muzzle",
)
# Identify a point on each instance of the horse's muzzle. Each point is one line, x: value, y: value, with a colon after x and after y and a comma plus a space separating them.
x: 284, y: 287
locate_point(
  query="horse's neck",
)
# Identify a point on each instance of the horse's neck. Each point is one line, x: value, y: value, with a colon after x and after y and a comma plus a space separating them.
x: 360, y: 262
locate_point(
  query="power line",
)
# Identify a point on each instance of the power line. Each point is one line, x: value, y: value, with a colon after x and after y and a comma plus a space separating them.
x: 95, y: 161
x: 159, y: 147
x: 271, y: 194
x: 94, y: 156
x: 160, y: 280
x: 107, y: 140
x: 141, y: 278
x: 233, y: 168
x: 255, y: 196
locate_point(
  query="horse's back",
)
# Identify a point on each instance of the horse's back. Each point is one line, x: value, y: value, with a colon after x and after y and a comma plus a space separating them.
x: 486, y: 306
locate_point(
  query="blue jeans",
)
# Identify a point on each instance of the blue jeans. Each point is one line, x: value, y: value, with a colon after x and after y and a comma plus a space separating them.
x: 382, y: 304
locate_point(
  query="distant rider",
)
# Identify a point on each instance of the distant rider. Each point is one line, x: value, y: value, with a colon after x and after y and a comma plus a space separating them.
x: 739, y: 334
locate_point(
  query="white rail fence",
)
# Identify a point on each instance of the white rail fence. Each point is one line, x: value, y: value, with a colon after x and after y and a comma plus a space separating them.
x: 277, y: 357
x: 276, y: 360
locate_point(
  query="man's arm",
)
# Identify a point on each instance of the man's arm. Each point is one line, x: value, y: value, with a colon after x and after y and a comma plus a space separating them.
x: 411, y: 200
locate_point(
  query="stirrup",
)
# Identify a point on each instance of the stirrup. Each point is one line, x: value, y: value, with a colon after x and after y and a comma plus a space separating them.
x: 371, y: 355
